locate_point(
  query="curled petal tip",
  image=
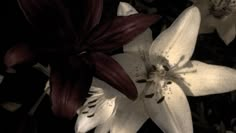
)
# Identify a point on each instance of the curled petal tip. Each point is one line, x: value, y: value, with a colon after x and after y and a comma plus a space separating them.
x: 194, y: 11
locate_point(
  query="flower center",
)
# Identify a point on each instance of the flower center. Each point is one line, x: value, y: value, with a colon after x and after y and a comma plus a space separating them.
x: 158, y: 79
x: 222, y: 8
x: 157, y: 73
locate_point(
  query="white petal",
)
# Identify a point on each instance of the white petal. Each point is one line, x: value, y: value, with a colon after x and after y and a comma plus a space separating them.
x: 129, y: 117
x: 227, y: 31
x: 105, y: 127
x: 109, y: 91
x: 204, y: 79
x: 90, y: 116
x: 43, y: 69
x: 125, y: 9
x: 10, y: 106
x: 208, y: 22
x: 203, y: 6
x: 47, y: 87
x: 172, y: 114
x: 176, y: 44
x: 140, y: 44
x: 135, y: 68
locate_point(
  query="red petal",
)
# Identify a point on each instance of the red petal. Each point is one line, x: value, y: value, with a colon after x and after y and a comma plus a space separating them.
x: 93, y: 13
x: 108, y: 70
x: 70, y: 82
x: 49, y: 17
x: 18, y: 54
x: 120, y: 31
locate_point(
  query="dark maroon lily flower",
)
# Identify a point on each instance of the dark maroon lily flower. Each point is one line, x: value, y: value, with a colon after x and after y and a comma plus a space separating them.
x: 74, y: 36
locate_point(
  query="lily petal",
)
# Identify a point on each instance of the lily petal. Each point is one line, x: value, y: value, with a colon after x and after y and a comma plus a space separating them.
x: 176, y: 44
x: 142, y: 42
x: 227, y: 31
x: 96, y: 111
x: 108, y: 70
x: 135, y: 68
x: 129, y: 117
x: 208, y: 22
x: 18, y: 54
x: 171, y: 112
x: 50, y: 17
x: 204, y: 79
x: 125, y: 9
x: 70, y: 82
x: 105, y: 127
x: 93, y: 12
x: 118, y: 32
x: 10, y: 106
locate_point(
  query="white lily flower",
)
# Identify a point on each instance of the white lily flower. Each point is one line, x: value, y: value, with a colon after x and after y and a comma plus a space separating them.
x: 219, y: 15
x: 109, y: 110
x: 137, y: 44
x: 163, y: 76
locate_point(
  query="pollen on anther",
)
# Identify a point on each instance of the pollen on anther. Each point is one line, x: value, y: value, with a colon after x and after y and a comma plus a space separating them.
x: 166, y: 68
x: 141, y: 81
x: 90, y: 115
x: 85, y: 112
x: 149, y: 95
x: 169, y: 82
x: 91, y: 106
x: 92, y: 101
x: 161, y: 99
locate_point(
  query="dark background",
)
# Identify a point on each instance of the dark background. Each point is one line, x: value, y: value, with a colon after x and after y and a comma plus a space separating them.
x: 214, y: 113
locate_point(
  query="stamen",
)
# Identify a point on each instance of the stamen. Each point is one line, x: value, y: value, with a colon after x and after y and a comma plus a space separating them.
x: 83, y: 52
x: 90, y: 115
x: 185, y: 72
x: 93, y: 101
x: 166, y: 68
x: 149, y: 95
x: 161, y: 99
x: 93, y: 91
x: 84, y: 112
x: 176, y: 67
x: 141, y: 81
x: 91, y: 106
x: 154, y: 68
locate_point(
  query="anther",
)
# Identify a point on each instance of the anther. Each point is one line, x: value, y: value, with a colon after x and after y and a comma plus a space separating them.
x: 161, y: 99
x: 149, y: 95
